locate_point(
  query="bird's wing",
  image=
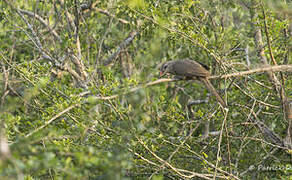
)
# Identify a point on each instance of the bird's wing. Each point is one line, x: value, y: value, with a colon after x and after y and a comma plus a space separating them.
x: 192, y: 68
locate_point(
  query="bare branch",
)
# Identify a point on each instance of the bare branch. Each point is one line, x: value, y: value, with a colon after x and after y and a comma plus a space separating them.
x: 288, y: 138
x: 242, y: 73
x: 52, y: 119
x: 40, y: 19
x: 265, y: 69
x: 35, y: 39
x: 122, y: 46
x: 181, y: 172
x: 220, y: 140
x: 105, y: 12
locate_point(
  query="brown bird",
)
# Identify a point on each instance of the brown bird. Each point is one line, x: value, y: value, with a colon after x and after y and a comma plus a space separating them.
x: 191, y: 70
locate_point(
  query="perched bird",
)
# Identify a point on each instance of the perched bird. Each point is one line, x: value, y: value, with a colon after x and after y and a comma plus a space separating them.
x: 191, y: 69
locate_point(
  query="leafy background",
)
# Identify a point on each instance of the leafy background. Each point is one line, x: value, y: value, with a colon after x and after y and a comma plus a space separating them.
x: 66, y: 68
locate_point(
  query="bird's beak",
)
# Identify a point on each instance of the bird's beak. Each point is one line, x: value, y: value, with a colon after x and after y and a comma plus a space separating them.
x: 161, y: 74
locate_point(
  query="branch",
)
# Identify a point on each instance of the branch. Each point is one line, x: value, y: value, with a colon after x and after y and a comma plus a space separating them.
x: 288, y: 138
x: 265, y: 69
x: 40, y: 19
x: 242, y: 73
x: 220, y: 141
x: 86, y: 7
x: 131, y: 90
x: 35, y: 39
x: 269, y: 134
x: 105, y: 12
x: 181, y: 172
x: 122, y: 46
x: 52, y: 119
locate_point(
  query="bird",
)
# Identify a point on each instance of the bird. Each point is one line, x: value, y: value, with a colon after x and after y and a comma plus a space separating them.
x: 191, y: 69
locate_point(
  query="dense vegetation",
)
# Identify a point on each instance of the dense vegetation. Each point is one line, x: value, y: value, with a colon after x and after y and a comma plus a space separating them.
x: 81, y: 96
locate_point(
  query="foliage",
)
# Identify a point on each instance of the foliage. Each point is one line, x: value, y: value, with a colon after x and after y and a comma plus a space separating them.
x: 65, y: 114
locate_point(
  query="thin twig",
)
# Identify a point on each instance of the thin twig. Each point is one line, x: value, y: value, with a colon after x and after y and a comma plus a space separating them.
x: 180, y: 172
x: 105, y: 12
x: 219, y: 144
x: 89, y: 7
x: 52, y: 119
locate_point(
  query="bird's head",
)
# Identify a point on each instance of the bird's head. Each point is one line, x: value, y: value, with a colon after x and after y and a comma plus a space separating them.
x: 166, y: 68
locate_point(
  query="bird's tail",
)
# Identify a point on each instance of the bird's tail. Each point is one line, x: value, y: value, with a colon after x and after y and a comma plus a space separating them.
x: 213, y: 91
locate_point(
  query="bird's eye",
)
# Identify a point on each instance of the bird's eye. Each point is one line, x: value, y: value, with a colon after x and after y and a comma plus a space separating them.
x: 164, y: 67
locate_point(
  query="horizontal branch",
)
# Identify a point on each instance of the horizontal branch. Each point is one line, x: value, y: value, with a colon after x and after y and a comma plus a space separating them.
x: 131, y: 90
x: 242, y: 73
